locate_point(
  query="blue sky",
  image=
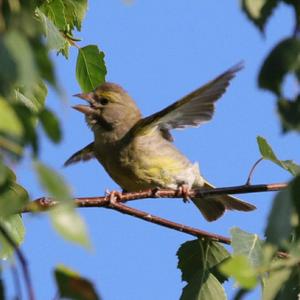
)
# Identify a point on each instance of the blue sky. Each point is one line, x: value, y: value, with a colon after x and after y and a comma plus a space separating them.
x: 159, y: 51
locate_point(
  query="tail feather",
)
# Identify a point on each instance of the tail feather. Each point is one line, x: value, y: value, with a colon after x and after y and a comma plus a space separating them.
x: 232, y: 203
x: 210, y: 209
x: 213, y: 207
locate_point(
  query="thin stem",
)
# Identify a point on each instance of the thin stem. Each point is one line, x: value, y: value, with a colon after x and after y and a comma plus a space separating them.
x: 70, y: 40
x: 22, y: 260
x: 248, y: 182
x: 16, y: 281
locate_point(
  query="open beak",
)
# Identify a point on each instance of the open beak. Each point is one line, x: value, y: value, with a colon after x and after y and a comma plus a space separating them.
x: 85, y: 109
x: 85, y: 96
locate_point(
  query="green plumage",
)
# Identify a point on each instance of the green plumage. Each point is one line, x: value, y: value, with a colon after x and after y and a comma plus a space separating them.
x: 138, y: 153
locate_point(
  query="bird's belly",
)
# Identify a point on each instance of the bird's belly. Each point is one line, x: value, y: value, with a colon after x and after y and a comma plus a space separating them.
x: 138, y: 167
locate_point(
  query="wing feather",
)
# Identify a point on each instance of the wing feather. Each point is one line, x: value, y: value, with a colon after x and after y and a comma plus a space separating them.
x: 83, y: 154
x: 192, y: 110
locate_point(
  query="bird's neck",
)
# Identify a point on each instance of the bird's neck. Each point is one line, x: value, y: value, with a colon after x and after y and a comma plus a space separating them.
x: 106, y: 137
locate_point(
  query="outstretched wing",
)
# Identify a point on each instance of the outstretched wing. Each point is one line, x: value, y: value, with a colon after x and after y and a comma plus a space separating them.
x: 84, y: 154
x: 192, y: 110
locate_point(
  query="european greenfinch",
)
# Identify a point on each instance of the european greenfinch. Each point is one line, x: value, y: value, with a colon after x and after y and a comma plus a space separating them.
x: 138, y: 153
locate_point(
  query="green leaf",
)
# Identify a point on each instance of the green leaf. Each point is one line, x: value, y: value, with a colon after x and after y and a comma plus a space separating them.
x: 239, y: 267
x: 203, y: 287
x: 63, y: 216
x: 12, y: 199
x: 289, y: 112
x: 69, y: 224
x: 14, y: 226
x: 55, y: 10
x: 275, y: 282
x: 75, y: 12
x: 54, y: 37
x: 267, y: 153
x: 198, y: 262
x: 9, y: 121
x: 291, y: 288
x: 34, y: 99
x: 259, y: 11
x: 8, y: 70
x: 5, y: 176
x: 50, y: 125
x: 294, y: 188
x: 279, y: 227
x: 23, y: 55
x: 11, y: 146
x: 43, y: 62
x: 283, y: 59
x: 28, y: 120
x: 72, y: 286
x: 52, y: 182
x: 247, y: 244
x: 90, y: 68
x: 247, y: 249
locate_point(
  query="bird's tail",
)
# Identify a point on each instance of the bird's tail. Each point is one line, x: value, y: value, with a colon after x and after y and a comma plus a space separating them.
x: 213, y: 207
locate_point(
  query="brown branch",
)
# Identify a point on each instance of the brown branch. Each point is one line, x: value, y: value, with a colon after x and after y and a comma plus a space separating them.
x: 116, y: 201
x: 124, y: 209
x: 45, y: 203
x: 22, y: 260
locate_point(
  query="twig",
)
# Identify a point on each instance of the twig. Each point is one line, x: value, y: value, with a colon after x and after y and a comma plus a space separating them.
x: 124, y: 209
x: 22, y: 260
x: 70, y: 40
x: 16, y: 281
x: 45, y: 203
x: 248, y: 182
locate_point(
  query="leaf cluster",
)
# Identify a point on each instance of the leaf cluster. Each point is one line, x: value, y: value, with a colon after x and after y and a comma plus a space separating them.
x: 29, y: 31
x: 282, y: 62
x: 255, y: 262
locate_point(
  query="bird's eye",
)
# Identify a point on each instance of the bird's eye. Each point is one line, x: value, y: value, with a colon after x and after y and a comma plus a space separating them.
x: 103, y: 101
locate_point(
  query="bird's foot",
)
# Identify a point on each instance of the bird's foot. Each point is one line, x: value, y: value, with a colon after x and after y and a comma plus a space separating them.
x: 113, y: 196
x: 154, y: 192
x: 184, y: 190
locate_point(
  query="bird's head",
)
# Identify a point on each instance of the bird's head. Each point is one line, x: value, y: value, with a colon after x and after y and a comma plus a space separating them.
x: 109, y: 107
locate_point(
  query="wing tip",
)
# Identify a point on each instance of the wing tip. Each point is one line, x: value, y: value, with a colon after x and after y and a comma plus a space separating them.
x: 68, y: 162
x: 237, y: 67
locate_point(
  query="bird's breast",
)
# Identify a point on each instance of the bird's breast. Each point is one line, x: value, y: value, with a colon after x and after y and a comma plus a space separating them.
x: 147, y: 162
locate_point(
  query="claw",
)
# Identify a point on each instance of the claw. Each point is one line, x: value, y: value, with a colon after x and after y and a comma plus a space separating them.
x: 155, y: 192
x: 113, y: 196
x: 184, y: 190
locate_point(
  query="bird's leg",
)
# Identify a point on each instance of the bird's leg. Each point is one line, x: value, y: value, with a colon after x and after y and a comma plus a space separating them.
x: 113, y: 196
x: 155, y: 191
x: 184, y: 190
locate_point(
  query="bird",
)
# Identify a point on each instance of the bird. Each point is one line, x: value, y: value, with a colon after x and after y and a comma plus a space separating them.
x: 138, y: 153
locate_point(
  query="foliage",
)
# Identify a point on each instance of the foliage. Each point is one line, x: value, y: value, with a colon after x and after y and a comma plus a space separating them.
x: 72, y: 286
x: 29, y: 30
x: 253, y: 261
x: 198, y: 262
